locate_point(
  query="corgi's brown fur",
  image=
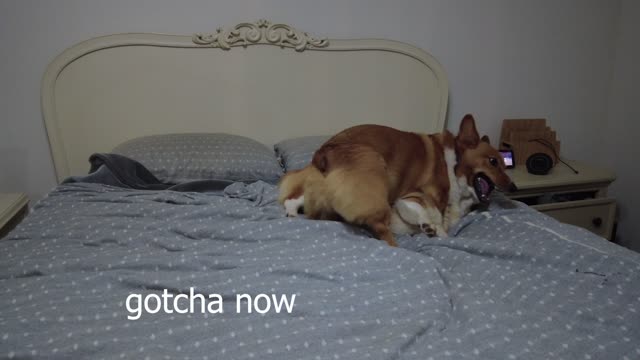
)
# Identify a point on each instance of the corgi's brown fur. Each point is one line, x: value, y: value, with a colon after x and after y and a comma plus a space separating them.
x: 359, y: 173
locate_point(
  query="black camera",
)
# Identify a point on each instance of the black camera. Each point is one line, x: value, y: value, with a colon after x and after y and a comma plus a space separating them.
x: 539, y: 164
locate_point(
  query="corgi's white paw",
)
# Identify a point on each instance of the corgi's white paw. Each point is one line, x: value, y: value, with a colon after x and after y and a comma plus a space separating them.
x: 432, y: 230
x: 428, y: 229
x: 292, y: 206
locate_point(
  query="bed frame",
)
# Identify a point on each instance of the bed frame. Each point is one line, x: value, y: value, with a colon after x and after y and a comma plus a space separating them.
x: 262, y: 80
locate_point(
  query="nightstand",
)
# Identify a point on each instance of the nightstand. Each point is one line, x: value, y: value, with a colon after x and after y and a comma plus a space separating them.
x: 13, y: 208
x: 578, y: 199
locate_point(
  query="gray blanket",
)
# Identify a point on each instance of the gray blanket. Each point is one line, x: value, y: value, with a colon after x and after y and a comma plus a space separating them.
x: 121, y: 171
x: 509, y: 283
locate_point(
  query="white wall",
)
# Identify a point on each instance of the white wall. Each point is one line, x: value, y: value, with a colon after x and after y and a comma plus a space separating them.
x: 504, y: 58
x: 621, y: 131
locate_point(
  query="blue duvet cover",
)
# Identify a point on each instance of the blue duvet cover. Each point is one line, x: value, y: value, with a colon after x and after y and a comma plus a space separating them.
x: 95, y: 270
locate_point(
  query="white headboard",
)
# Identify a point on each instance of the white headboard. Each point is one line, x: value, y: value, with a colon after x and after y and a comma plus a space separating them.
x: 262, y: 80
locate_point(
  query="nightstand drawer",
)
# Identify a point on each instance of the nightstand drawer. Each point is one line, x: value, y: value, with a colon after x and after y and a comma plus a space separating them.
x: 595, y: 215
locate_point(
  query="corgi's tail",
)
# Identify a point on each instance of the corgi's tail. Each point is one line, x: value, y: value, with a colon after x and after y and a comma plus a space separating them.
x: 292, y: 184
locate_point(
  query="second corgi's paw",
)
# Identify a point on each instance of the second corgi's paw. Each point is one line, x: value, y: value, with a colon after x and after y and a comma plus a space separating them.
x: 292, y: 206
x: 433, y: 230
x: 428, y: 229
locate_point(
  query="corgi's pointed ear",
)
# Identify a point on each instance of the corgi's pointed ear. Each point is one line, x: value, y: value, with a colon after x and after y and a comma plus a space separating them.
x: 468, y: 135
x: 485, y: 139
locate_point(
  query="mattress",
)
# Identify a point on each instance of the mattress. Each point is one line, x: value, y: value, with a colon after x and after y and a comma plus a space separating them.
x: 508, y: 283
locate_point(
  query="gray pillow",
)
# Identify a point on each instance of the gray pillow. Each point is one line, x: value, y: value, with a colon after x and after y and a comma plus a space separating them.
x: 296, y: 153
x: 177, y: 158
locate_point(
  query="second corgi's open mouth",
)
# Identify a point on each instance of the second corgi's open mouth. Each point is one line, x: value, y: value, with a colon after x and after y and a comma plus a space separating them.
x: 483, y: 186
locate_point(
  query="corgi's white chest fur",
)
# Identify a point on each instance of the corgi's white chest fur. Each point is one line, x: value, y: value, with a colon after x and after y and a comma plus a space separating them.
x: 461, y: 195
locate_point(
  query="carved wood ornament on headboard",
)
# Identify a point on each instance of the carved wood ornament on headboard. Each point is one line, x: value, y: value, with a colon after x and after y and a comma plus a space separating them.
x: 260, y: 32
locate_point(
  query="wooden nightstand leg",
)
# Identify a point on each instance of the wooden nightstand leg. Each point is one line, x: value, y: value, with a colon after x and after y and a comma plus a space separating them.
x: 14, y: 221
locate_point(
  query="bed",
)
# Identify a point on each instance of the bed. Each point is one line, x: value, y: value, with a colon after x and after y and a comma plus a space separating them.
x: 508, y: 283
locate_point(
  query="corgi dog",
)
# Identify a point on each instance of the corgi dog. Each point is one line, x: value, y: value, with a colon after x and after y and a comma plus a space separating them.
x: 430, y: 180
x: 471, y: 181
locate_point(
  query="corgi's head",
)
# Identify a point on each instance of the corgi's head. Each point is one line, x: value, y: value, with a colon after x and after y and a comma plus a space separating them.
x: 479, y: 162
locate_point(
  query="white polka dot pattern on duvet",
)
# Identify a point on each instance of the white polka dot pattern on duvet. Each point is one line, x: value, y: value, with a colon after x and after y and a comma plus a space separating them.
x: 512, y: 283
x: 177, y: 158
